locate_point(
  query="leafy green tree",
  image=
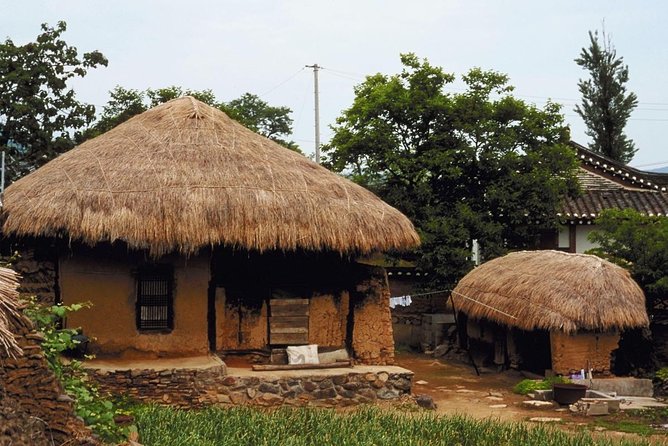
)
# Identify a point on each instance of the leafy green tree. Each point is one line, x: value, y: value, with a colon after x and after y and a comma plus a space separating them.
x: 638, y: 243
x: 606, y: 105
x: 40, y: 116
x: 475, y: 165
x: 273, y: 122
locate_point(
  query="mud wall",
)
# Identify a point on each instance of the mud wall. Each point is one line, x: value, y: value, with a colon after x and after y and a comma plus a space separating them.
x: 571, y: 353
x: 241, y: 324
x: 328, y: 319
x: 106, y: 278
x: 372, y: 340
x: 30, y: 394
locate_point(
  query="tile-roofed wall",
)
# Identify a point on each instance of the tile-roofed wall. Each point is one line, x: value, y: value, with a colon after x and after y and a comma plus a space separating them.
x: 609, y: 184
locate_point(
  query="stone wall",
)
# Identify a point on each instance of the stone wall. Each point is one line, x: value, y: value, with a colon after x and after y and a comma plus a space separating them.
x: 189, y: 388
x: 28, y: 384
x: 372, y: 337
x: 572, y: 353
x: 38, y: 273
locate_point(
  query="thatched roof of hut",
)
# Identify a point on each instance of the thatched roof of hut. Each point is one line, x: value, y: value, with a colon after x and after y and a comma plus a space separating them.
x: 554, y: 291
x: 8, y: 311
x: 184, y: 175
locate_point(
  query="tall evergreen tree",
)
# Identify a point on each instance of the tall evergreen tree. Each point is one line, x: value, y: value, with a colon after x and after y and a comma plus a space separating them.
x: 606, y: 105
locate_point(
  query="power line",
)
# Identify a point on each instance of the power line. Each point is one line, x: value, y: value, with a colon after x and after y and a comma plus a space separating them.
x: 282, y: 83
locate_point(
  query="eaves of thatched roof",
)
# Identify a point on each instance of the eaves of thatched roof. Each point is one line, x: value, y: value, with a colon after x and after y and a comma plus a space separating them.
x: 184, y: 175
x: 8, y: 311
x: 554, y: 291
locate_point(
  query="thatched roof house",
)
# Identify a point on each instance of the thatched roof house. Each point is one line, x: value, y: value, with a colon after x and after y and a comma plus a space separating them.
x: 184, y: 175
x: 181, y: 221
x: 553, y: 291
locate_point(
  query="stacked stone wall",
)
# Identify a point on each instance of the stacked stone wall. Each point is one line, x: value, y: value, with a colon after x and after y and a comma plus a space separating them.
x: 38, y: 276
x: 29, y: 387
x: 192, y: 388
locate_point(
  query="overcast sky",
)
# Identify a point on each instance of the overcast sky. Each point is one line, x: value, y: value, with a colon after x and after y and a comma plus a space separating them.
x: 233, y: 47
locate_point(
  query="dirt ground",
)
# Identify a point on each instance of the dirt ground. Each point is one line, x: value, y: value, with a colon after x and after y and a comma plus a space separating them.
x: 456, y: 389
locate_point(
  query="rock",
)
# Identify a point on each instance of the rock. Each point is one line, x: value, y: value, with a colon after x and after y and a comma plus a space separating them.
x: 496, y: 394
x: 493, y: 398
x: 533, y: 404
x: 387, y: 394
x: 269, y: 388
x: 498, y: 406
x: 421, y: 382
x: 383, y: 376
x: 441, y: 350
x: 251, y: 392
x: 425, y: 401
x: 545, y: 419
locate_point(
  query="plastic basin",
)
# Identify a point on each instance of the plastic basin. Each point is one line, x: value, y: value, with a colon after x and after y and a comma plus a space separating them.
x: 569, y: 393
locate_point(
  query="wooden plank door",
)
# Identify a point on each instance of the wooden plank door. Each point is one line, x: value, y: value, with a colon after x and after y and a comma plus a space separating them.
x: 288, y: 321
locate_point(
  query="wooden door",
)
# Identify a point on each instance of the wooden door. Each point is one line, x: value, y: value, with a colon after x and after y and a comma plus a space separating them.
x: 288, y: 321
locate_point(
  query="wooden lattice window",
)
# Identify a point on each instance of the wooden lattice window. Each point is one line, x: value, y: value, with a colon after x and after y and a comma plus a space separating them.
x: 155, y: 302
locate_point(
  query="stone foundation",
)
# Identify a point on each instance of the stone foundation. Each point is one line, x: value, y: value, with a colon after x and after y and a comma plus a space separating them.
x: 188, y: 388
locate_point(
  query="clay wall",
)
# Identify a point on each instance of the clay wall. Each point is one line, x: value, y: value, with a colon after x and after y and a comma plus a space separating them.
x: 372, y: 338
x: 106, y: 279
x: 30, y: 394
x: 328, y: 319
x: 571, y: 353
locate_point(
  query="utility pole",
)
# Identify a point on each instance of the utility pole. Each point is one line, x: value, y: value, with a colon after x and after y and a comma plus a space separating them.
x: 316, y: 95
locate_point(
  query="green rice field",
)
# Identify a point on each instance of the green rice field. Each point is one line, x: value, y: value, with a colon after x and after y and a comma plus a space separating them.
x: 160, y: 426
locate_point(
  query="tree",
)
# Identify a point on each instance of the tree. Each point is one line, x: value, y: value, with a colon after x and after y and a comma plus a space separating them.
x: 638, y: 243
x: 273, y: 122
x: 606, y: 105
x: 476, y: 165
x: 40, y: 116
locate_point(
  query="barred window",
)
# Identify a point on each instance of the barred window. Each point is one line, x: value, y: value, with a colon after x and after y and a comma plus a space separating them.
x: 155, y: 303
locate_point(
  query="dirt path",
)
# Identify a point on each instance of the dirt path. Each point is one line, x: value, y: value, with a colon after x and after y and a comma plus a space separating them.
x: 456, y: 389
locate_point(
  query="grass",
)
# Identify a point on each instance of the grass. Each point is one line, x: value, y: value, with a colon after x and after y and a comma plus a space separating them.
x: 160, y: 426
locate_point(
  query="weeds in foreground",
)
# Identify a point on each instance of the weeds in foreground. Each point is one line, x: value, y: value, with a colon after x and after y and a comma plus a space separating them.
x: 160, y: 426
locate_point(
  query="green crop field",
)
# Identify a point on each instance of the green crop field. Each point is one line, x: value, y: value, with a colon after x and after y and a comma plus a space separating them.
x: 159, y: 426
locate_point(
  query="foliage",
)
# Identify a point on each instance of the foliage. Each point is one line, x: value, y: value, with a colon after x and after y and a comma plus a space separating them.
x: 474, y: 165
x: 273, y: 122
x: 636, y: 242
x: 606, y: 105
x: 527, y: 386
x: 97, y: 412
x: 39, y: 114
x: 662, y: 374
x: 366, y: 426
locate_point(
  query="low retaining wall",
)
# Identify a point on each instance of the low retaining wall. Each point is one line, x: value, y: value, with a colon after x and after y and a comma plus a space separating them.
x: 190, y: 388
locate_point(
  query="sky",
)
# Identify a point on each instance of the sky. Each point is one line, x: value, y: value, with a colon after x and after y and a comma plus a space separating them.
x: 262, y: 47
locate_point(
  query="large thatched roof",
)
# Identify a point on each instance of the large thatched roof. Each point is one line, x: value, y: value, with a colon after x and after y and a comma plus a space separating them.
x: 552, y: 290
x: 184, y: 175
x: 8, y: 311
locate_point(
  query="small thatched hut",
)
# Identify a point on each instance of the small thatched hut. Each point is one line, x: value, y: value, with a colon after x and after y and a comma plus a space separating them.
x: 189, y: 233
x: 574, y: 305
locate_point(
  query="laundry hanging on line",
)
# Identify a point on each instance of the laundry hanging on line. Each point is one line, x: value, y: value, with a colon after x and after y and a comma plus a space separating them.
x: 402, y: 301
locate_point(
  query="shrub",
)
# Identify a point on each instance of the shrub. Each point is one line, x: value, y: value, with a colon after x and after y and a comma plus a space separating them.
x: 97, y: 412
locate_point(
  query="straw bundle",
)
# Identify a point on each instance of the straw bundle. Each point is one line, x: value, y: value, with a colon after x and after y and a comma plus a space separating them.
x: 184, y: 175
x: 554, y: 291
x: 8, y: 311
